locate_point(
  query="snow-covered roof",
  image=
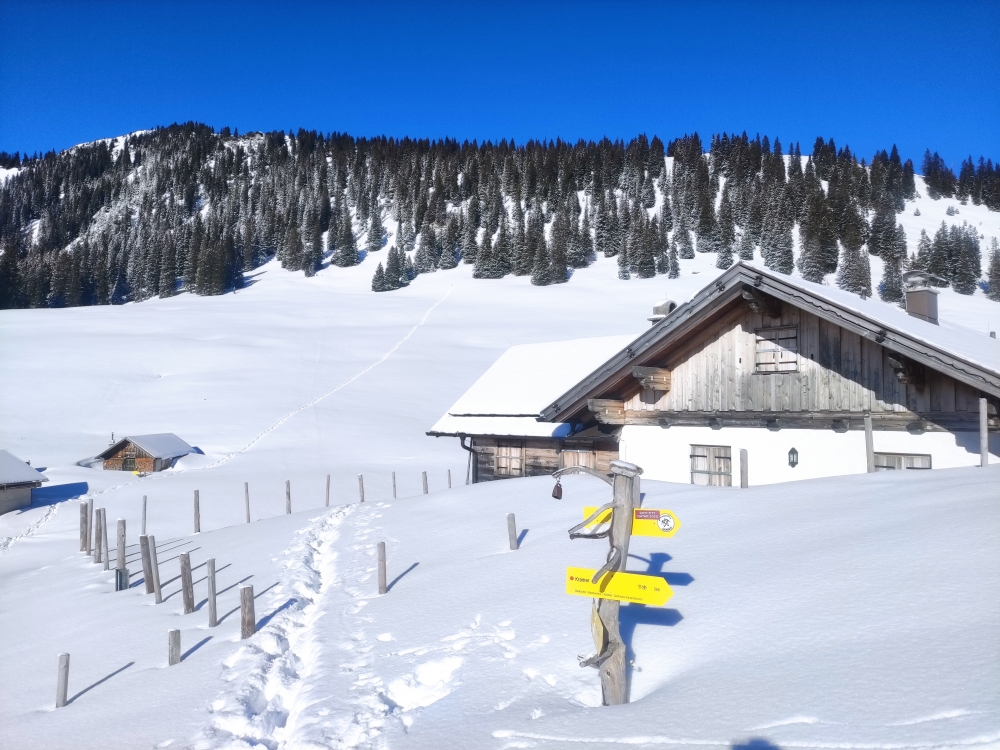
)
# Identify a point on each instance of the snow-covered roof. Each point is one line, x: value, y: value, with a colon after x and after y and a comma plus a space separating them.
x: 510, y: 395
x: 969, y: 356
x: 160, y: 445
x: 15, y: 471
x: 972, y: 346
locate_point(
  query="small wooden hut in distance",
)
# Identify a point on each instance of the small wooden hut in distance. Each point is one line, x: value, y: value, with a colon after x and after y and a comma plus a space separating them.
x: 145, y: 452
x: 17, y: 480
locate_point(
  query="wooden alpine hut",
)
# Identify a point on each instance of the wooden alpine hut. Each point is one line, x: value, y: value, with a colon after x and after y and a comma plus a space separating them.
x: 145, y: 453
x: 17, y: 480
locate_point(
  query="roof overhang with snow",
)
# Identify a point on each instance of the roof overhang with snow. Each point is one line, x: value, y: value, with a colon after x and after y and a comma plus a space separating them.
x: 508, y: 398
x: 966, y: 355
x: 160, y: 445
x: 15, y: 472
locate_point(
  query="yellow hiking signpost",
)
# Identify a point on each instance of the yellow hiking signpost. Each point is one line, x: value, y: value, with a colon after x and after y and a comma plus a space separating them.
x: 622, y: 587
x: 645, y: 521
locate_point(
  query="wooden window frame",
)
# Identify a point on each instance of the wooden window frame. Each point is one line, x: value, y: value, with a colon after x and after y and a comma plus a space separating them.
x: 727, y: 474
x: 904, y: 456
x: 782, y: 365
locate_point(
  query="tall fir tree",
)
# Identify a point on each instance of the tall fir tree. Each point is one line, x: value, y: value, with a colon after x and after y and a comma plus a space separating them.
x: 540, y: 271
x: 992, y: 274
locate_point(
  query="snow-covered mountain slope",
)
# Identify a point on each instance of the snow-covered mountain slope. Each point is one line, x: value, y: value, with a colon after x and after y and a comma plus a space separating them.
x: 836, y: 614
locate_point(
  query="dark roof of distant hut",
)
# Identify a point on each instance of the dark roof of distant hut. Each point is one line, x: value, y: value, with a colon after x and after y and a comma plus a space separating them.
x: 160, y: 445
x: 15, y: 471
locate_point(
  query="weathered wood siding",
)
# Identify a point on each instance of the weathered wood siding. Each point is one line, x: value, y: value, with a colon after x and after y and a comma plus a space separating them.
x: 541, y: 456
x: 143, y: 461
x: 838, y: 371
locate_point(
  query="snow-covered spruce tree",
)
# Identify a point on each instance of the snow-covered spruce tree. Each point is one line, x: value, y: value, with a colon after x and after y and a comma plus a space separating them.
x: 726, y: 238
x: 854, y: 271
x: 376, y: 233
x: 967, y: 266
x: 450, y: 244
x: 541, y: 272
x: 891, y: 287
x: 682, y: 237
x: 393, y: 269
x: 426, y: 258
x: 378, y: 280
x: 347, y: 246
x: 486, y: 265
x: 940, y: 255
x: 992, y: 273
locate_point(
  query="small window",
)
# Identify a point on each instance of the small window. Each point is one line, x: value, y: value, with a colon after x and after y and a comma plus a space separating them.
x: 711, y: 465
x: 510, y: 459
x: 777, y: 350
x: 894, y: 461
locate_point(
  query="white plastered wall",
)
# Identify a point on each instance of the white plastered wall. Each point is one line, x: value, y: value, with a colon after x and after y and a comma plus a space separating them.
x: 665, y: 454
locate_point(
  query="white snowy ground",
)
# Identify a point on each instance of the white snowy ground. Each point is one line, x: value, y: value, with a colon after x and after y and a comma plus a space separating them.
x: 852, y: 606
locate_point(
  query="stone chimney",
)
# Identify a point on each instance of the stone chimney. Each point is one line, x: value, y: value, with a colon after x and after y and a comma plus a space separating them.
x: 662, y: 309
x: 921, y: 298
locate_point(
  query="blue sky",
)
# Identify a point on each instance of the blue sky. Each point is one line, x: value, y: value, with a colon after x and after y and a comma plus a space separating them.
x: 868, y: 74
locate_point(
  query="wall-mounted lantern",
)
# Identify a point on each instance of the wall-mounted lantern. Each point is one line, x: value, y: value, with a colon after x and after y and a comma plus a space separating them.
x: 793, y: 458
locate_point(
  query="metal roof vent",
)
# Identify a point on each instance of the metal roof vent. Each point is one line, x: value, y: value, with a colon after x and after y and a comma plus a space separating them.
x: 921, y: 298
x: 662, y: 309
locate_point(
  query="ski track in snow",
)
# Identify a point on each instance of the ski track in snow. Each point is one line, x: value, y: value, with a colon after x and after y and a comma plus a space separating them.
x: 7, y: 542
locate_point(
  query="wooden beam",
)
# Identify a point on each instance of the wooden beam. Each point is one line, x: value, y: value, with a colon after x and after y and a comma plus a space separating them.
x: 607, y: 411
x: 837, y: 421
x: 652, y: 378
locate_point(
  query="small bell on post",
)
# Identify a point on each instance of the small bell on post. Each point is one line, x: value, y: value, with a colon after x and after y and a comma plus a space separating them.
x: 557, y: 490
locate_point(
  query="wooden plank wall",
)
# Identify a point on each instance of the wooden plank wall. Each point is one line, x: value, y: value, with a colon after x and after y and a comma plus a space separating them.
x: 541, y: 457
x: 839, y: 370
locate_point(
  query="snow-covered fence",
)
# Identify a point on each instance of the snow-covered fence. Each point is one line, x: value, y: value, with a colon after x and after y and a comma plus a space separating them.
x: 361, y: 487
x: 213, y: 612
x: 154, y: 568
x: 83, y: 525
x: 197, y: 513
x: 393, y: 485
x: 248, y: 620
x: 327, y: 491
x: 187, y: 584
x: 382, y: 588
x: 120, y: 562
x: 424, y: 479
x: 173, y: 647
x: 512, y: 531
x: 449, y: 479
x: 143, y: 515
x: 90, y: 525
x: 62, y: 681
x: 97, y: 536
x: 246, y: 499
x: 288, y: 496
x: 744, y: 469
x: 147, y: 563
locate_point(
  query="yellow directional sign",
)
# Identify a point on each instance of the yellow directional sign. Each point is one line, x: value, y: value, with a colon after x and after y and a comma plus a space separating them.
x: 622, y: 587
x: 645, y: 521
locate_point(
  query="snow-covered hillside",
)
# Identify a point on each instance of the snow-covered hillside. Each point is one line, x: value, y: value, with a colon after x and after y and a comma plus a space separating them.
x: 853, y: 613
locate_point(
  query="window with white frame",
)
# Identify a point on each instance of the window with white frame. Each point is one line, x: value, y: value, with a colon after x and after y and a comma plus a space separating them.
x: 777, y: 349
x: 897, y: 461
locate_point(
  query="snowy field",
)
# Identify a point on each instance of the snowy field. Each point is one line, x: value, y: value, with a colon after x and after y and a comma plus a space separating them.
x: 857, y: 613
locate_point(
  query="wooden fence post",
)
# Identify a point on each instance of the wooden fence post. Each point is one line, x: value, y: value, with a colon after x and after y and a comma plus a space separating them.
x: 327, y: 490
x: 154, y: 567
x: 248, y: 620
x: 121, y: 545
x: 187, y: 584
x: 173, y: 647
x: 197, y: 513
x: 83, y: 525
x: 143, y: 514
x: 381, y: 568
x: 213, y: 612
x: 984, y: 434
x: 90, y: 526
x: 106, y: 555
x: 512, y: 531
x: 424, y: 479
x: 147, y: 563
x: 361, y: 487
x: 744, y: 469
x: 468, y: 467
x: 393, y: 485
x: 449, y: 479
x: 98, y: 547
x: 246, y: 499
x: 869, y: 444
x: 62, y: 681
x: 288, y: 496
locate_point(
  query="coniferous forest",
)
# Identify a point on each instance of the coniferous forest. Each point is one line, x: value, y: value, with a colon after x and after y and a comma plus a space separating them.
x: 186, y: 208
